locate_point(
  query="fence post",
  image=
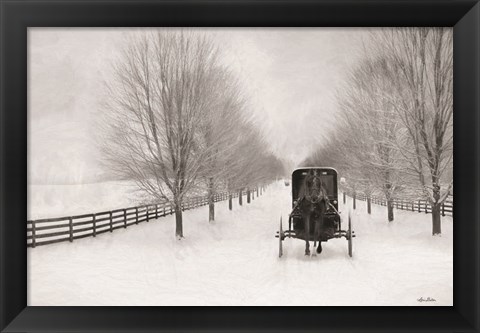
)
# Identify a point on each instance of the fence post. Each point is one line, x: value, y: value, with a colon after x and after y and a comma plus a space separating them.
x: 230, y: 201
x: 354, y: 201
x: 94, y: 222
x: 111, y: 222
x: 419, y: 206
x: 34, y: 242
x: 443, y: 209
x: 70, y: 227
x: 148, y: 218
x: 136, y: 215
x: 124, y: 218
x: 426, y: 211
x: 344, y: 198
x: 240, y: 197
x: 248, y: 196
x: 156, y: 211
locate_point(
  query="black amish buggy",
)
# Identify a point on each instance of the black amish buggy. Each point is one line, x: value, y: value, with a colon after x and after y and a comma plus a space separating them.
x: 315, y: 216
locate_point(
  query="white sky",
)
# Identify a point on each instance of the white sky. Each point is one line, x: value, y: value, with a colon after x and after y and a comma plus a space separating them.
x: 290, y: 76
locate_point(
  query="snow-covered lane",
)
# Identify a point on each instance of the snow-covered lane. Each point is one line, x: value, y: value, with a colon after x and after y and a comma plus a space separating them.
x: 234, y: 261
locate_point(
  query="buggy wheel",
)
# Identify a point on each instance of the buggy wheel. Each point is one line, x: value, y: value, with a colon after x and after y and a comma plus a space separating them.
x: 280, y: 238
x: 349, y: 234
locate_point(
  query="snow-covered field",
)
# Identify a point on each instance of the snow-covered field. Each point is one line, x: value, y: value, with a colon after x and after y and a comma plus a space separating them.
x: 234, y: 261
x: 48, y: 201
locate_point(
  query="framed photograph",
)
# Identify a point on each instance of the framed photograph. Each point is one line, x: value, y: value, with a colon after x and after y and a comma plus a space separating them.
x: 239, y: 166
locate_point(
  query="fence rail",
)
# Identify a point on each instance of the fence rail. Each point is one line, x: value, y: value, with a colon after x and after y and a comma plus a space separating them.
x: 420, y: 206
x: 69, y: 228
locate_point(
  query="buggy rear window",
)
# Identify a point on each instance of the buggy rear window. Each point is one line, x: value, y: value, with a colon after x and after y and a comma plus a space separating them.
x: 327, y: 177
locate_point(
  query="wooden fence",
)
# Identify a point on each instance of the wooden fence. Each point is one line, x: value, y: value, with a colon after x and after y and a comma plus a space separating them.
x: 420, y: 206
x: 69, y: 228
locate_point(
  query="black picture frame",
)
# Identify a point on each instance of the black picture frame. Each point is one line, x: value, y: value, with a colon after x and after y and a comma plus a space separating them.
x: 17, y: 16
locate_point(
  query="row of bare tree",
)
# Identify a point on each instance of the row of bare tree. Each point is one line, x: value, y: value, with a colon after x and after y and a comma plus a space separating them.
x: 394, y: 136
x: 176, y: 125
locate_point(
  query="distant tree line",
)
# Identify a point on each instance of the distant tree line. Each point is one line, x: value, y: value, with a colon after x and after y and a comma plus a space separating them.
x: 175, y: 122
x: 394, y: 135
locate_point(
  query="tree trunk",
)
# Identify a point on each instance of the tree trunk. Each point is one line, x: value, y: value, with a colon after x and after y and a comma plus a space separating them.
x: 436, y: 221
x: 436, y: 207
x: 248, y: 196
x: 240, y: 198
x: 390, y: 209
x: 369, y: 205
x: 230, y: 205
x: 344, y: 198
x: 211, y: 201
x: 178, y: 221
x: 211, y: 211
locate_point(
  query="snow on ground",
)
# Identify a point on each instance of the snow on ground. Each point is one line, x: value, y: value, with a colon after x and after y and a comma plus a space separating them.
x: 234, y: 261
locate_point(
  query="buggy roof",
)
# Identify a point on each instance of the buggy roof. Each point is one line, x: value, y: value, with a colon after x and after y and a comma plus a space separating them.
x: 319, y: 168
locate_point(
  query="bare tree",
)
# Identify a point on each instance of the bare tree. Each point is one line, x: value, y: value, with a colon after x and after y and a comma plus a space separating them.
x: 155, y: 104
x: 368, y: 111
x: 422, y: 71
x: 395, y: 123
x: 219, y: 133
x: 252, y: 164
